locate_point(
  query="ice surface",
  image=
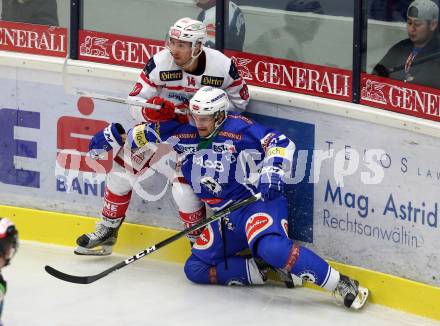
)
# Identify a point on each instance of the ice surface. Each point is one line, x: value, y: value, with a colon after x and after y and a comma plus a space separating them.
x: 157, y: 293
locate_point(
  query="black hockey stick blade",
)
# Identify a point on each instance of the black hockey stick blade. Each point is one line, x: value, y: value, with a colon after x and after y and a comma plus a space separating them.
x: 68, y: 278
x: 82, y: 279
x: 92, y: 278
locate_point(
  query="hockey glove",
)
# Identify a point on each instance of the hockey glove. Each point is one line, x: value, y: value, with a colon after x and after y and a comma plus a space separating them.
x: 105, y: 140
x: 165, y: 113
x: 182, y: 112
x: 271, y: 184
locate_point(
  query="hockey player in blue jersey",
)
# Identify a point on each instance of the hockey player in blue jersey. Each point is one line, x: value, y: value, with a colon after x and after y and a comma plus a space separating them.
x: 228, y: 157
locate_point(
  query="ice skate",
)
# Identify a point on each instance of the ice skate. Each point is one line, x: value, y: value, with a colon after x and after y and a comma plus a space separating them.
x: 98, y: 243
x: 350, y: 293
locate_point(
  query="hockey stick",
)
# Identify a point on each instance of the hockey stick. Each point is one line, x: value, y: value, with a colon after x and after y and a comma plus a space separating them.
x: 179, y: 108
x: 69, y: 89
x: 119, y: 100
x: 92, y: 278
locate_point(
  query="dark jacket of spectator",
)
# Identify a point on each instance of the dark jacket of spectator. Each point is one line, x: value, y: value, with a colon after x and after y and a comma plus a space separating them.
x: 424, y: 70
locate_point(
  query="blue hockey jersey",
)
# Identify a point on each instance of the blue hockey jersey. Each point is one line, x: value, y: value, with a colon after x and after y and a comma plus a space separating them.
x: 227, y: 167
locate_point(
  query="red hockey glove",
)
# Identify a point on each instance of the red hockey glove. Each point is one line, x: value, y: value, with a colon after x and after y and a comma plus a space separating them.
x: 165, y: 113
x: 182, y: 112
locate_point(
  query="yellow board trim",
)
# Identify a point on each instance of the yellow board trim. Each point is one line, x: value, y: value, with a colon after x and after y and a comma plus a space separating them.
x: 63, y: 229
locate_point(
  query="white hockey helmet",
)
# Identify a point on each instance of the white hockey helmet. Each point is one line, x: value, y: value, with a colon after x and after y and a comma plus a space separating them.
x: 208, y: 101
x: 189, y: 30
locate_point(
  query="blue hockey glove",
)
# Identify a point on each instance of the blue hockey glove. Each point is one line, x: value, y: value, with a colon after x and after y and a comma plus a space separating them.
x: 105, y: 140
x: 271, y: 184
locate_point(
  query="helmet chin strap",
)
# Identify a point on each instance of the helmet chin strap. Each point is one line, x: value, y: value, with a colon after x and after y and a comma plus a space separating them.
x: 217, y: 125
x: 206, y: 141
x: 188, y: 63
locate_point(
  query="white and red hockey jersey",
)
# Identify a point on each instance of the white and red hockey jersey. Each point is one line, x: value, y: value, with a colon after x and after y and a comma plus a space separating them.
x: 162, y: 77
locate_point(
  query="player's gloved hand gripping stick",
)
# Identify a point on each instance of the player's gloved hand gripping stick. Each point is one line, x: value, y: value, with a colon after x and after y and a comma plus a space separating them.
x: 92, y: 278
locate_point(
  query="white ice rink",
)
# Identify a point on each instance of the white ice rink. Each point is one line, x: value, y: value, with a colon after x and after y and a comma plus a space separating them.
x: 155, y: 293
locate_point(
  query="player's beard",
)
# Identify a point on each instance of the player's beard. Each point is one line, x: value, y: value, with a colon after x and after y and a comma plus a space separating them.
x: 187, y: 64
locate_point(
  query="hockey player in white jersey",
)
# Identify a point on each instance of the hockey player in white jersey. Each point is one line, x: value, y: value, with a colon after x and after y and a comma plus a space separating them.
x: 177, y: 72
x: 169, y: 79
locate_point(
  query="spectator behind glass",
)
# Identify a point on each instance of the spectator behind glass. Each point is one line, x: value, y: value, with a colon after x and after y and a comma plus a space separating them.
x: 234, y: 35
x: 287, y: 41
x: 43, y: 12
x: 417, y: 58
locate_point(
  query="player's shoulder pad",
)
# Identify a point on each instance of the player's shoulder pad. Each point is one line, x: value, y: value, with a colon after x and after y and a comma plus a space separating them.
x: 149, y: 67
x: 233, y: 71
x: 239, y: 117
x: 237, y: 125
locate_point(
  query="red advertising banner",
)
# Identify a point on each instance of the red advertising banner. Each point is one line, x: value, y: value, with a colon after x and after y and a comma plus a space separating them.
x: 293, y: 76
x: 117, y: 49
x: 397, y: 96
x: 33, y: 39
x: 276, y: 73
x: 257, y: 70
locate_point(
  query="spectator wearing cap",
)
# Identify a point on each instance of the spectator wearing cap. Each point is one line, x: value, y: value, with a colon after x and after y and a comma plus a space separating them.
x: 417, y: 58
x: 287, y: 41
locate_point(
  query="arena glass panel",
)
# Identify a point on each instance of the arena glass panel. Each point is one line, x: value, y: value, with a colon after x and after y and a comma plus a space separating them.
x: 302, y: 46
x: 38, y: 12
x: 149, y: 19
x: 310, y: 31
x: 35, y: 27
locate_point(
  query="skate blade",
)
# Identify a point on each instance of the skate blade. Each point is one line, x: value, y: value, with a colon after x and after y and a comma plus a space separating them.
x: 361, y: 298
x: 297, y: 281
x: 98, y: 251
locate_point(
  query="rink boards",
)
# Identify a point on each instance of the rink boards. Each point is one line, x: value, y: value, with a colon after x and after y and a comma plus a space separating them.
x: 363, y: 194
x: 388, y: 290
